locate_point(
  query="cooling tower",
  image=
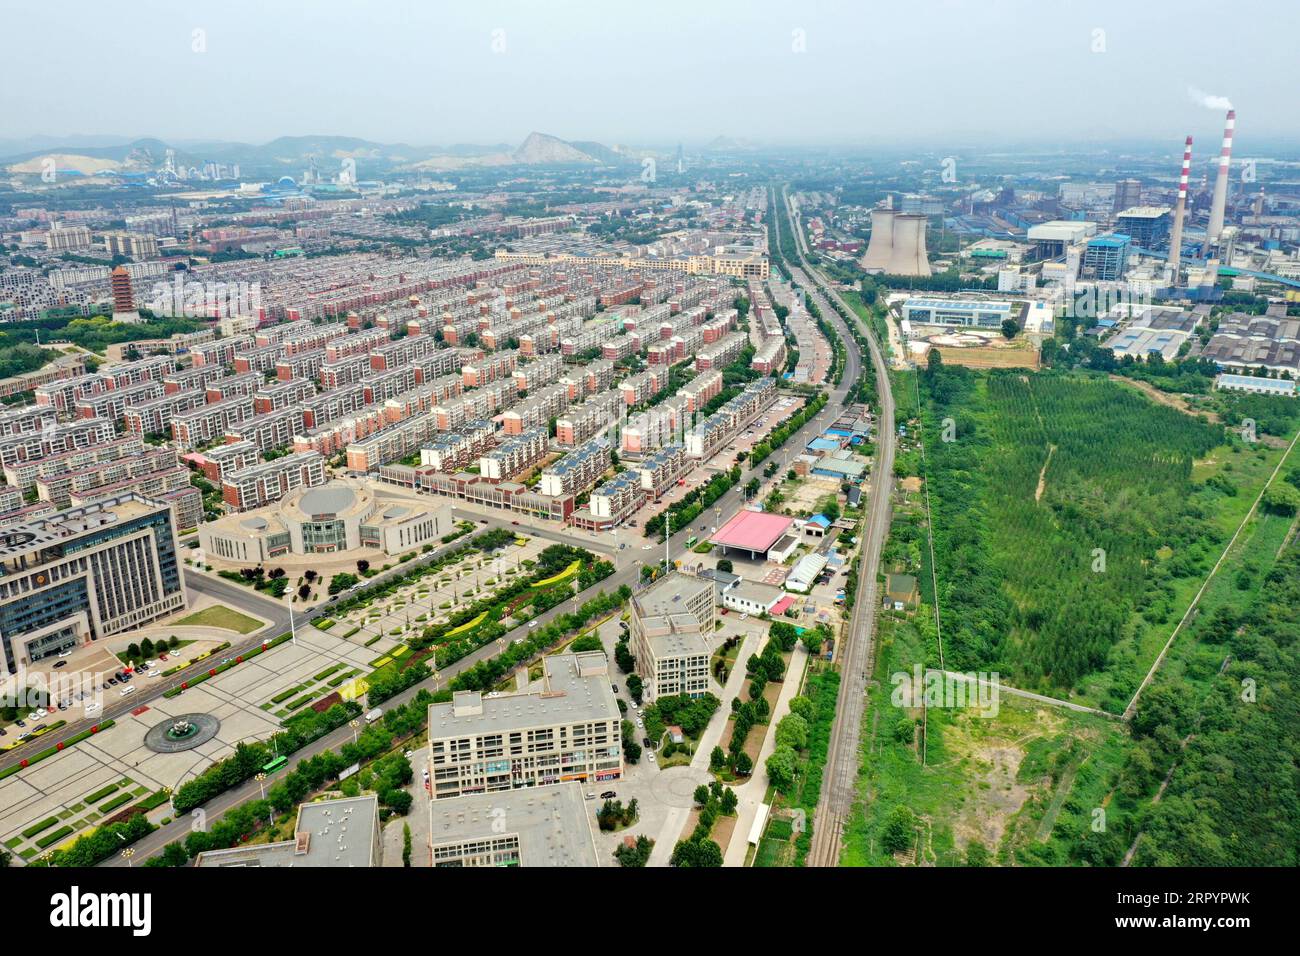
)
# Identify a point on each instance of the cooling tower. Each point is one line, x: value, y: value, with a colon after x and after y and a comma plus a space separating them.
x: 1180, y: 210
x: 908, y: 258
x: 1220, y: 199
x: 880, y: 247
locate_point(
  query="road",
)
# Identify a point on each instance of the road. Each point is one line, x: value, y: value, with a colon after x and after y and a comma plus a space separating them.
x: 857, y: 649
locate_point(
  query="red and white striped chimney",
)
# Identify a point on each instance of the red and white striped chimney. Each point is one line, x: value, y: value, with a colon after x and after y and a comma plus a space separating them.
x: 1220, y: 199
x: 1180, y: 210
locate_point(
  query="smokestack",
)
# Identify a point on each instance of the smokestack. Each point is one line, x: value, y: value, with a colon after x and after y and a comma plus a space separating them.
x: 1176, y: 237
x: 908, y: 256
x: 1220, y: 199
x: 880, y: 247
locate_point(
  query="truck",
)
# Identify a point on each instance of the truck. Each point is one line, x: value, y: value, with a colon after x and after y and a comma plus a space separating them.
x: 374, y: 715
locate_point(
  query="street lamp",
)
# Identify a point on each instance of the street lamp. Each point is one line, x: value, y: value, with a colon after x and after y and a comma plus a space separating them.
x: 354, y: 724
x: 261, y: 786
x: 127, y: 854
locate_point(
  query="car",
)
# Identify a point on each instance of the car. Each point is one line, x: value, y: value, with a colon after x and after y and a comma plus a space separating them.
x: 67, y: 653
x: 149, y: 665
x: 640, y: 722
x: 153, y: 673
x: 60, y: 663
x: 608, y: 795
x: 162, y: 657
x: 591, y: 794
x: 127, y: 691
x: 24, y: 735
x: 647, y: 742
x: 614, y: 688
x: 519, y: 640
x: 514, y: 522
x: 744, y: 617
x: 21, y: 723
x: 426, y: 774
x: 40, y: 712
x: 646, y: 547
x: 651, y: 755
x: 93, y: 706
x: 111, y: 680
x: 408, y: 754
x: 532, y: 623
x: 725, y: 611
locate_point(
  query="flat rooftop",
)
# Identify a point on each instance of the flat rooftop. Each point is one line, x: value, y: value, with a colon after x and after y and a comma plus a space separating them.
x: 550, y: 823
x: 752, y: 530
x: 575, y: 688
x: 328, y: 833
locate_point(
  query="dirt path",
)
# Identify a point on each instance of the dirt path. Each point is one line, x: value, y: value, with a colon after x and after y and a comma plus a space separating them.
x: 1042, y: 475
x: 1164, y: 398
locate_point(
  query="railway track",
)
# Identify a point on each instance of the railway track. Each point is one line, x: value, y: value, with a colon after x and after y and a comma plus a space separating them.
x: 857, y: 649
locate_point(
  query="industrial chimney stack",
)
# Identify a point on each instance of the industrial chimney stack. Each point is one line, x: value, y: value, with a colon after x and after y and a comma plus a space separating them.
x: 1180, y: 211
x: 1220, y: 199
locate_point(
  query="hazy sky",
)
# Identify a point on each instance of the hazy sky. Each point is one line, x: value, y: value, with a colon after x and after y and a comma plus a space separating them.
x: 432, y: 71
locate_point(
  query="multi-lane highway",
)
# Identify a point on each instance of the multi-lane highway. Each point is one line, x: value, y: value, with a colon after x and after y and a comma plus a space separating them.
x: 857, y: 649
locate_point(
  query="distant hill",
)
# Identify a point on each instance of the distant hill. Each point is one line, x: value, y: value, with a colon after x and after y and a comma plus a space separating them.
x: 289, y: 154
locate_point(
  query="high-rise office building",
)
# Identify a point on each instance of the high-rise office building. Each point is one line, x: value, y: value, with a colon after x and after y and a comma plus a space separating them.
x: 80, y: 574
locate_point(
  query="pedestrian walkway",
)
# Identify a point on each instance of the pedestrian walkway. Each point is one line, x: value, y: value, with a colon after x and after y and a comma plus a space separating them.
x: 752, y: 792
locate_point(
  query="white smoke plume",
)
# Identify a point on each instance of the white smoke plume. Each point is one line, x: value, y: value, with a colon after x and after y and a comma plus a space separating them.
x: 1208, y: 100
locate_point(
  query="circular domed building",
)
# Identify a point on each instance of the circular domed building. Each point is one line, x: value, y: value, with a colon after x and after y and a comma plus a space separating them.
x: 340, y: 515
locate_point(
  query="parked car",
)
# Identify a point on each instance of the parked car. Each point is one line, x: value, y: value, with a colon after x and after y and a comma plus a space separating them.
x: 651, y: 755
x: 127, y: 691
x: 67, y: 653
x: 60, y: 663
x: 608, y: 795
x: 591, y: 794
x: 647, y: 742
x: 614, y: 688
x: 153, y: 673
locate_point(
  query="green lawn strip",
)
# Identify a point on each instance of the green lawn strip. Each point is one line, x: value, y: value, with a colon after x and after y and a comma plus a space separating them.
x: 328, y: 671
x: 55, y: 837
x: 154, y: 800
x: 102, y: 792
x: 120, y: 800
x: 40, y: 825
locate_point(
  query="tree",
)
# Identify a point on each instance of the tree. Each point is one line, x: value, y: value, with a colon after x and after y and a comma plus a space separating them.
x: 725, y: 565
x: 1281, y: 499
x: 781, y: 767
x: 363, y: 565
x: 899, y: 830
x: 406, y: 844
x: 792, y: 731
x: 742, y: 765
x: 977, y: 854
x: 717, y: 759
x: 304, y: 591
x: 133, y: 651
x: 1009, y: 329
x: 701, y: 795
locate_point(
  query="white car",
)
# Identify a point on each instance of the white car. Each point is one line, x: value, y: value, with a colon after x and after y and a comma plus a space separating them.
x: 532, y: 623
x: 127, y: 690
x: 93, y: 707
x: 153, y: 673
x: 651, y: 755
x: 67, y: 653
x: 40, y: 712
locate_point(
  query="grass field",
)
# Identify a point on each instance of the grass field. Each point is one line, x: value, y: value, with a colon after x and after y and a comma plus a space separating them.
x: 223, y: 617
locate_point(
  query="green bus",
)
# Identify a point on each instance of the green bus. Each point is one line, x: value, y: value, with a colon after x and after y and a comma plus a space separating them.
x: 273, y: 765
x: 692, y: 541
